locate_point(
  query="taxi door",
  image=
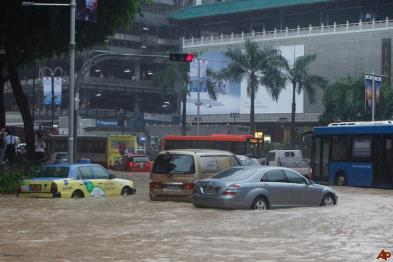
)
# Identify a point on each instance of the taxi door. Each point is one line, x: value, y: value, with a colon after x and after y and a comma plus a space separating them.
x: 103, y: 181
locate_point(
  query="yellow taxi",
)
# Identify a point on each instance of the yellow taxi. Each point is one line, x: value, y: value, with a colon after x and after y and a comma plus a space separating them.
x: 74, y: 181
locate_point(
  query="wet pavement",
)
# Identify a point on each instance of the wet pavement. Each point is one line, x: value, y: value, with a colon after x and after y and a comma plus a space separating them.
x: 136, y: 229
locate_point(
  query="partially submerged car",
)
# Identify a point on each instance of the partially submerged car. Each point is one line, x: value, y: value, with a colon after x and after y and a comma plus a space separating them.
x: 74, y: 181
x: 175, y: 171
x: 260, y: 188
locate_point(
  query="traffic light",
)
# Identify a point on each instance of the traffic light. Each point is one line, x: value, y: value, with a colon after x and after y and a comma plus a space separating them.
x: 181, y: 57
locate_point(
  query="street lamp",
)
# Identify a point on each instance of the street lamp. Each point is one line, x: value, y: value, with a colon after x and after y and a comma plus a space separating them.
x: 72, y: 6
x: 52, y: 73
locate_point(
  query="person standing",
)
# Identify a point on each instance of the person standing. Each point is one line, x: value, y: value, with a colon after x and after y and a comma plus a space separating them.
x: 10, y: 147
x: 2, y: 146
x: 40, y: 147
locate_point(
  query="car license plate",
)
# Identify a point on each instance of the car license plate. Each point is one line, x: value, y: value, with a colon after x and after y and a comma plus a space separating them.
x: 172, y: 187
x: 209, y: 190
x: 35, y: 188
x: 141, y: 165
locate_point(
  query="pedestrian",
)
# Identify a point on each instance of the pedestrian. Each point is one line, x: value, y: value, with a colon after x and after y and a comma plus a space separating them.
x: 39, y: 146
x: 10, y: 147
x: 2, y: 146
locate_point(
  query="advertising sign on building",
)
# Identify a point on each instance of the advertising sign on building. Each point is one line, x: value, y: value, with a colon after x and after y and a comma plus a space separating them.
x: 47, y: 88
x: 232, y: 95
x: 157, y: 117
x: 107, y: 123
x: 58, y: 82
x: 87, y: 10
x: 368, y: 91
x: 194, y: 75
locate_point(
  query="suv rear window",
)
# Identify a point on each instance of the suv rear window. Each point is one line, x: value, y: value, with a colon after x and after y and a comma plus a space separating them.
x: 174, y: 163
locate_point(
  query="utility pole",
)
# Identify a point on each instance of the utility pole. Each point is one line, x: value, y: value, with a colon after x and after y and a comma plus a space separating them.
x: 199, y: 94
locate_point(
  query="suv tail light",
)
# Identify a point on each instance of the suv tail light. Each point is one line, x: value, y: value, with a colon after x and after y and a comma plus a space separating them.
x: 188, y: 186
x: 155, y: 185
x: 232, y: 190
x: 53, y: 188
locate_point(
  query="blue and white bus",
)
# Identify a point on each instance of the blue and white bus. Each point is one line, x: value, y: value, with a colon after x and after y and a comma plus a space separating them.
x: 354, y: 154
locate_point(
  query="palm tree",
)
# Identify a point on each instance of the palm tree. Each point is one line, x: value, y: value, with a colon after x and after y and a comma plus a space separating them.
x: 302, y: 80
x: 176, y: 75
x: 260, y: 66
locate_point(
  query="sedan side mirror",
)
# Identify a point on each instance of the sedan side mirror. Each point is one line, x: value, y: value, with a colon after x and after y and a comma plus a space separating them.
x: 112, y: 176
x: 310, y: 182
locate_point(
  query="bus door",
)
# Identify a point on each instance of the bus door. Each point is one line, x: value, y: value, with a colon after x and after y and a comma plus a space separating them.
x: 382, y: 159
x: 321, y: 159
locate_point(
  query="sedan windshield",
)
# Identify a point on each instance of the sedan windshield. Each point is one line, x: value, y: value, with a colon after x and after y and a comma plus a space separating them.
x: 54, y: 171
x: 235, y: 174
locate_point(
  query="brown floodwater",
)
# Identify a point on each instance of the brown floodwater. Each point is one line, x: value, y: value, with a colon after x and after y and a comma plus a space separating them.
x: 136, y: 229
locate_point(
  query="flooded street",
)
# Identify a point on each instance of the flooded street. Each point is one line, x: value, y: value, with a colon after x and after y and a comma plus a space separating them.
x: 136, y: 229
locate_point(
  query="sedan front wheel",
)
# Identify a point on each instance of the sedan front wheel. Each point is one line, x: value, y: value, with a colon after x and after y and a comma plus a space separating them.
x: 328, y: 200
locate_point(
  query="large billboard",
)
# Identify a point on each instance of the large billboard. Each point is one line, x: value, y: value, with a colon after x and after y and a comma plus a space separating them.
x: 233, y: 98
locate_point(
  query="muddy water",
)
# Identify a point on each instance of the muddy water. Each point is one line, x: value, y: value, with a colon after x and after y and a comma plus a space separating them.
x: 135, y: 229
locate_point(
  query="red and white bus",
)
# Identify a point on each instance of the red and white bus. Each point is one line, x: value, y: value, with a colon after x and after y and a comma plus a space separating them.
x: 237, y: 144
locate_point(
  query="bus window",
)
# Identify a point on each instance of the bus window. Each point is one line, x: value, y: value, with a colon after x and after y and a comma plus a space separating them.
x: 340, y: 148
x: 361, y: 148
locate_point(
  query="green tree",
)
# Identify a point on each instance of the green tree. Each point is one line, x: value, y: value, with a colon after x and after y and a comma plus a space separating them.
x: 176, y: 75
x: 259, y: 66
x: 301, y: 80
x: 31, y: 33
x: 344, y: 101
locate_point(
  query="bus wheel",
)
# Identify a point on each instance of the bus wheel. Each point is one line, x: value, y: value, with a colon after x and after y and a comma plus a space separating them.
x: 341, y: 180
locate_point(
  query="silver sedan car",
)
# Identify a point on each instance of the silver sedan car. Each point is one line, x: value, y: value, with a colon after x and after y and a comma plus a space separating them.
x: 260, y: 187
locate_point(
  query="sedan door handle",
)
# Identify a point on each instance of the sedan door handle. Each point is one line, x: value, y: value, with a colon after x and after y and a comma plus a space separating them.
x: 293, y: 188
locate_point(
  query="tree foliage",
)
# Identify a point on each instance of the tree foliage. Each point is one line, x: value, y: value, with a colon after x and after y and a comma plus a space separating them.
x: 344, y: 101
x: 259, y: 66
x: 36, y: 32
x: 301, y: 79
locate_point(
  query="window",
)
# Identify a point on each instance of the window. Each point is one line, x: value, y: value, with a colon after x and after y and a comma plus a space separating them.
x: 86, y: 172
x: 271, y: 157
x: 209, y: 164
x: 174, y: 163
x: 234, y: 161
x: 223, y: 162
x: 235, y: 174
x: 59, y: 172
x: 141, y: 159
x: 274, y: 176
x: 361, y: 148
x: 289, y: 154
x: 100, y: 173
x: 340, y: 148
x: 294, y: 178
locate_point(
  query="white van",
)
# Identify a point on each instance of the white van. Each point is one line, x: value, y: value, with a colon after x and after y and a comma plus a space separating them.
x: 288, y: 158
x: 277, y: 157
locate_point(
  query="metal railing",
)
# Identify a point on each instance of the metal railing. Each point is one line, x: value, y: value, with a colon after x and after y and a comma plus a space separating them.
x: 245, y: 118
x: 289, y: 33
